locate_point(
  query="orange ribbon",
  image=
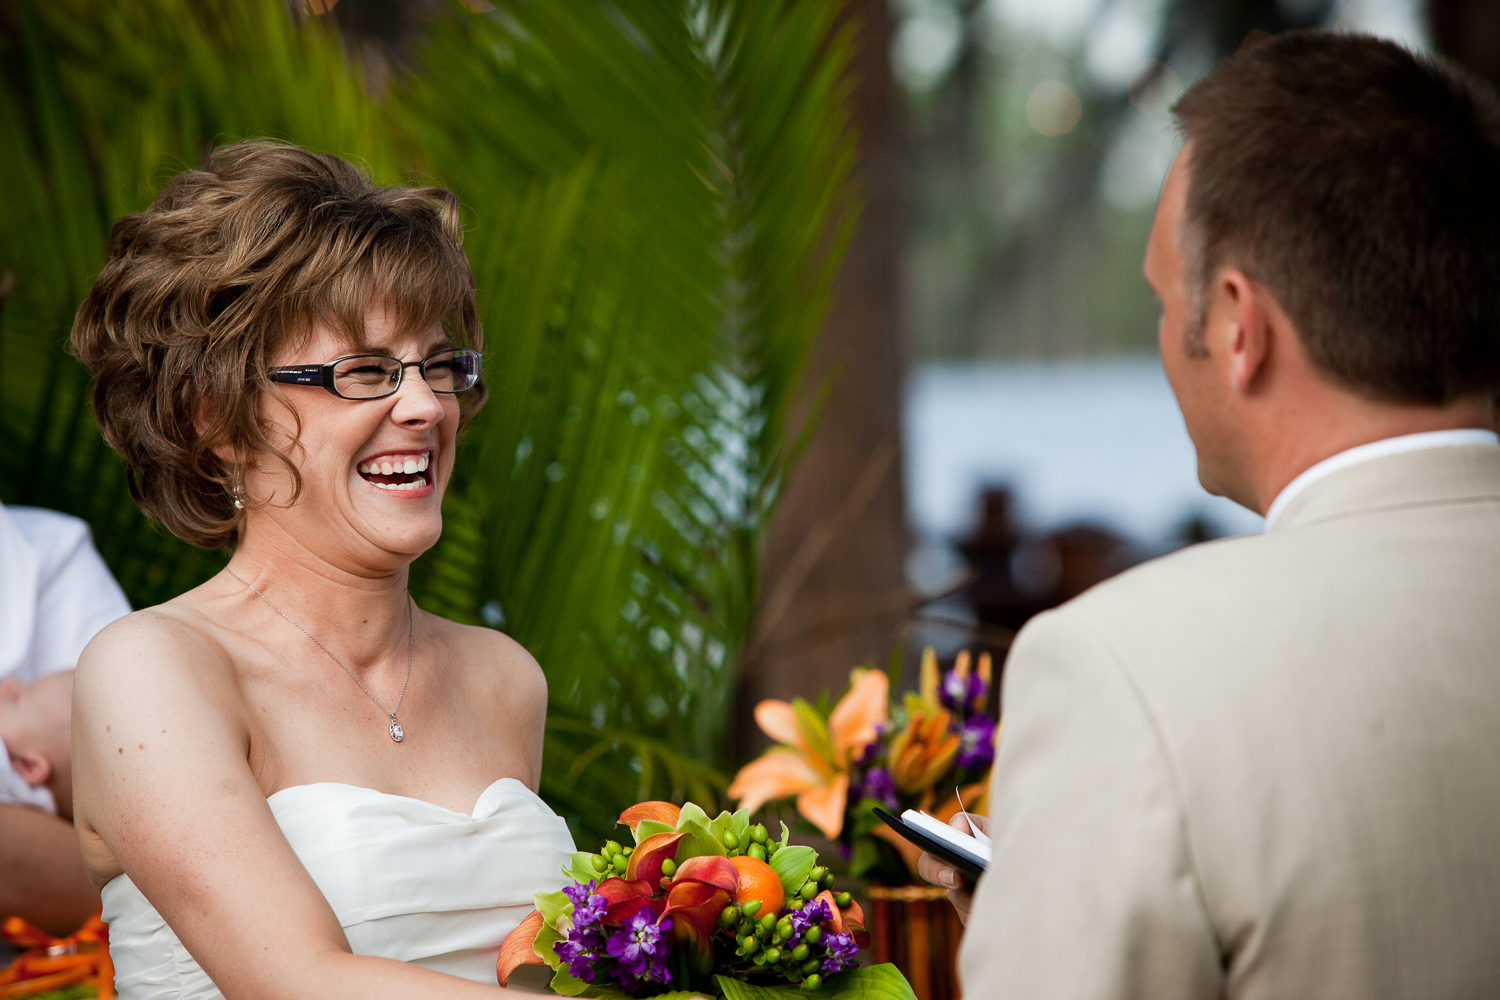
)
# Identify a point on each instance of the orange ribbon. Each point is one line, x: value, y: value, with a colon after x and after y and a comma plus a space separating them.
x: 50, y: 963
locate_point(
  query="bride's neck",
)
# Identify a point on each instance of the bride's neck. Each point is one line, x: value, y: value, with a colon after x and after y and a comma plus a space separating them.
x: 358, y: 611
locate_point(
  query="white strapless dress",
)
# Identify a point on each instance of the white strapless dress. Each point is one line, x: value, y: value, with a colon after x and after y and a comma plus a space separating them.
x: 408, y: 880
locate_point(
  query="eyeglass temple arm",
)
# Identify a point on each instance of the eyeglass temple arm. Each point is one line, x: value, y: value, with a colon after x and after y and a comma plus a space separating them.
x: 299, y: 375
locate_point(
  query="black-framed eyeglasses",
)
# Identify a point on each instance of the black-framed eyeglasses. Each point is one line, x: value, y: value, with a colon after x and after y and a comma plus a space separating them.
x: 376, y: 376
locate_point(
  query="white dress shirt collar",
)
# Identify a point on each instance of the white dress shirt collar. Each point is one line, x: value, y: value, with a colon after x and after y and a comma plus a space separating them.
x: 1375, y: 449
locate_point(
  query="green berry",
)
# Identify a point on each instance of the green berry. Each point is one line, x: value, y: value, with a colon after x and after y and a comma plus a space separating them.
x: 809, y: 890
x: 730, y: 840
x: 619, y: 864
x: 812, y: 982
x: 746, y: 927
x: 812, y: 965
x: 729, y: 915
x: 612, y: 848
x: 826, y: 882
x: 758, y: 833
x: 771, y: 848
x: 768, y: 923
x: 784, y: 928
x: 628, y: 851
x: 773, y: 955
x: 818, y: 874
x: 599, y: 863
x: 750, y: 945
x: 813, y: 935
x: 669, y: 868
x: 843, y: 899
x: 756, y: 851
x: 752, y: 908
x: 799, y: 953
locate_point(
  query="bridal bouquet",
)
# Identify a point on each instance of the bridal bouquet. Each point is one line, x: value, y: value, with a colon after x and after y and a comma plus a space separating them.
x: 869, y: 750
x: 698, y: 905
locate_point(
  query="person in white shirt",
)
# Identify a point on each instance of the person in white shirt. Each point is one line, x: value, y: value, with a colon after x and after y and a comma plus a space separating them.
x: 55, y: 594
x: 1266, y: 767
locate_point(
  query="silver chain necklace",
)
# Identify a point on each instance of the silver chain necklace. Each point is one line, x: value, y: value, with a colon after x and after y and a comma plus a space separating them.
x: 397, y: 733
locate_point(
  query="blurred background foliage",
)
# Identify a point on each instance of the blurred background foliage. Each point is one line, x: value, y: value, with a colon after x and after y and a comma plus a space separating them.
x: 657, y: 201
x: 1040, y: 134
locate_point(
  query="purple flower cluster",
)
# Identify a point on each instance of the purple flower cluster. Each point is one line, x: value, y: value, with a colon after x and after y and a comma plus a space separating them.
x: 839, y: 952
x: 963, y: 694
x: 585, y: 941
x: 976, y: 748
x: 634, y: 956
x: 877, y: 784
x: 811, y: 915
x: 639, y: 948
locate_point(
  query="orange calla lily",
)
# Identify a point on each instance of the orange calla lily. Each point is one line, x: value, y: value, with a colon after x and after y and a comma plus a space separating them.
x: 700, y: 890
x: 649, y: 856
x: 813, y: 761
x: 662, y: 812
x: 520, y: 947
x: 622, y: 899
x: 848, y: 920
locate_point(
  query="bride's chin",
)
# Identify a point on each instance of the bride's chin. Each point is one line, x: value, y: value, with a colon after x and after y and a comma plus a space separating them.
x: 407, y: 541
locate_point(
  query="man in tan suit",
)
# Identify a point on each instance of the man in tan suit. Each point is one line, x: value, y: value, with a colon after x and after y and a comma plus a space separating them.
x: 1269, y: 767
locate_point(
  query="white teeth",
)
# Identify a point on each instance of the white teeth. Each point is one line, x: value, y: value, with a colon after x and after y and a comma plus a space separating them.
x: 388, y: 467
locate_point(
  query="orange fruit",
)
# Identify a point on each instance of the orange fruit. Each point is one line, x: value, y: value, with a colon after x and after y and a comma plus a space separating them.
x: 759, y: 880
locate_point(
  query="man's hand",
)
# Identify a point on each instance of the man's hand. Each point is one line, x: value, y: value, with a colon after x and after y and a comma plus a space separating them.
x: 937, y: 872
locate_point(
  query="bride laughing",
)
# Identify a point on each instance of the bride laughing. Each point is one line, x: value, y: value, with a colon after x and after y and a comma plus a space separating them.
x: 291, y: 781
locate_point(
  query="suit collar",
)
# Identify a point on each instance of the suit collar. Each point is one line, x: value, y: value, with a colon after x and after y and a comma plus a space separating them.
x: 1422, y: 478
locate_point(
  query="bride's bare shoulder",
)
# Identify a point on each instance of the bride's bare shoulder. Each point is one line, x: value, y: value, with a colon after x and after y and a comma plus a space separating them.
x: 496, y: 663
x: 172, y: 641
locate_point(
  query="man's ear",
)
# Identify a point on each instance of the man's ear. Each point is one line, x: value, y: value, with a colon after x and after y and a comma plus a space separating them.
x: 34, y: 768
x: 1248, y: 330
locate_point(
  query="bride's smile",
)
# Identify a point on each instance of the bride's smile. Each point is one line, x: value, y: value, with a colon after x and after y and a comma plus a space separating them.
x: 377, y: 466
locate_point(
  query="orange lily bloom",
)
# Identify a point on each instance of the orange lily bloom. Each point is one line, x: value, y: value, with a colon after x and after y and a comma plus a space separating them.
x: 921, y: 752
x: 814, y: 759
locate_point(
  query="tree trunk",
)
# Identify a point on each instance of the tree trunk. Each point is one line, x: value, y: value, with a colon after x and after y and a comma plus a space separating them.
x: 833, y: 572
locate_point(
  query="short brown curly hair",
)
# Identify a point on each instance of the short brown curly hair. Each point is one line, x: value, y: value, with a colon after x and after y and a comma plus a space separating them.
x: 229, y: 265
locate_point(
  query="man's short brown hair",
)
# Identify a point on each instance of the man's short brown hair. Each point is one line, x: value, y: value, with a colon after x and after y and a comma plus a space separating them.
x: 1361, y: 185
x: 229, y: 265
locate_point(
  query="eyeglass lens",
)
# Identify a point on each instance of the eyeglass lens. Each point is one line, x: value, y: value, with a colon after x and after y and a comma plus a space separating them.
x: 372, y: 375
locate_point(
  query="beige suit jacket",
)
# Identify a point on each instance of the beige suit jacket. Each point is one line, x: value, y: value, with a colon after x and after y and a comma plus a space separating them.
x: 1266, y: 767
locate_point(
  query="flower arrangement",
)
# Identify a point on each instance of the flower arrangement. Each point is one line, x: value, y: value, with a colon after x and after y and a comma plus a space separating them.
x: 698, y: 904
x: 869, y: 751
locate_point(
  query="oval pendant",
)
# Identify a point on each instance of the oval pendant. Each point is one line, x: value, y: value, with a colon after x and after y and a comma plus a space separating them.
x: 397, y: 733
